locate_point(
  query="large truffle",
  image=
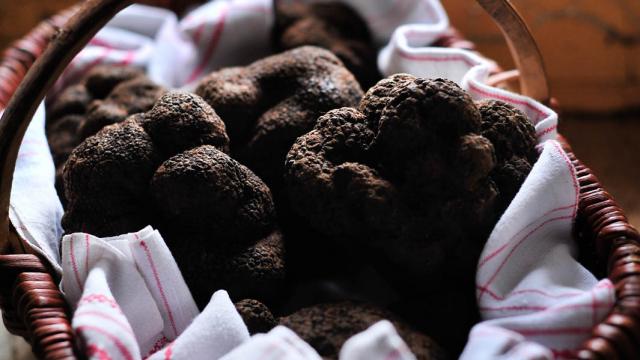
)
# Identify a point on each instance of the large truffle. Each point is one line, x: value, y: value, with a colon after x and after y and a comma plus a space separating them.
x: 327, y: 326
x: 407, y: 180
x: 105, y: 96
x: 216, y: 216
x: 271, y: 102
x: 331, y: 25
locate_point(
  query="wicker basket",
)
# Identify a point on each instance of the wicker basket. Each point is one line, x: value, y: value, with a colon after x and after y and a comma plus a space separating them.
x: 32, y: 305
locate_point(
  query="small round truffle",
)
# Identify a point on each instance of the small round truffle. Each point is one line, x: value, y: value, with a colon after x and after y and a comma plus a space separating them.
x: 103, y: 78
x: 206, y: 192
x: 326, y: 327
x: 268, y: 104
x: 509, y: 130
x: 106, y: 181
x: 62, y: 137
x: 334, y: 26
x: 179, y: 121
x: 74, y: 100
x: 100, y: 114
x: 136, y: 95
x: 256, y: 316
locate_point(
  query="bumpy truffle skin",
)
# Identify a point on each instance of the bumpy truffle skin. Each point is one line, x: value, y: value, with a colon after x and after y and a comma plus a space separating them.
x: 180, y: 121
x: 268, y: 104
x: 334, y: 26
x: 106, y: 181
x: 207, y: 192
x: 256, y: 316
x: 102, y: 79
x: 401, y: 184
x: 514, y: 138
x: 511, y: 133
x: 326, y: 327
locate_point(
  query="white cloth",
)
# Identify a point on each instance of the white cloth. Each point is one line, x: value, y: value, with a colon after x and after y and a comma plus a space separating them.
x: 521, y: 297
x: 35, y: 210
x: 378, y: 342
x: 278, y: 344
x: 130, y: 299
x: 531, y: 291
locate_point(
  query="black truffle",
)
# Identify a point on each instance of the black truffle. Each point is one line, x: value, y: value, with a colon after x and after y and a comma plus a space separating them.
x: 326, y: 327
x: 103, y: 78
x: 100, y: 114
x: 62, y: 137
x: 74, y: 100
x: 206, y: 192
x: 331, y: 25
x: 271, y: 102
x: 514, y: 139
x: 412, y: 184
x: 179, y: 121
x: 106, y: 181
x: 256, y: 316
x: 136, y: 95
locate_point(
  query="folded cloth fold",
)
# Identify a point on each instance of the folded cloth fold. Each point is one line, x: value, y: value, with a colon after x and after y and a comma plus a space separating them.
x: 379, y: 342
x: 531, y: 291
x: 126, y: 282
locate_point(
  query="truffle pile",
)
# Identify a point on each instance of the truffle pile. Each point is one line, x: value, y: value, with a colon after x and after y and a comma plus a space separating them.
x: 404, y: 184
x: 107, y: 95
x: 268, y: 104
x: 331, y: 25
x: 169, y: 167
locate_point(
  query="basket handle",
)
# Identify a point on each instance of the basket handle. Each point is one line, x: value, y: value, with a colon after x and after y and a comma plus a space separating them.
x: 523, y: 47
x: 94, y: 14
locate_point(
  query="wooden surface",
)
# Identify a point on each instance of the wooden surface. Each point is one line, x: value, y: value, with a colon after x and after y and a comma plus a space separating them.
x: 18, y: 17
x: 591, y: 47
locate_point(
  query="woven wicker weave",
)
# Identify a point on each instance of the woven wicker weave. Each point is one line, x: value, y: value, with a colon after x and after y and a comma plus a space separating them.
x: 33, y: 307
